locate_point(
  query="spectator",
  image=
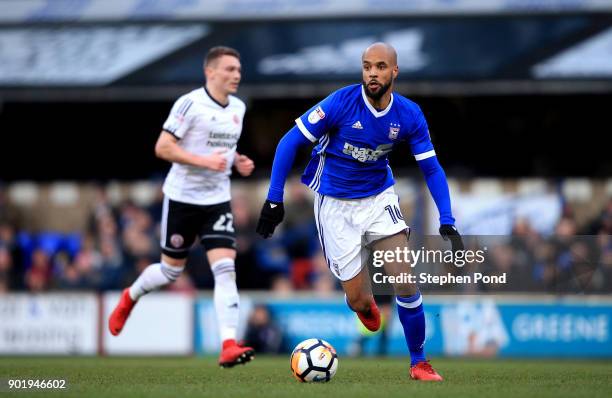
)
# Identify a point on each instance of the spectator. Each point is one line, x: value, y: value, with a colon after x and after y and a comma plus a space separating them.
x: 15, y: 276
x: 6, y: 265
x: 38, y: 275
x: 262, y: 333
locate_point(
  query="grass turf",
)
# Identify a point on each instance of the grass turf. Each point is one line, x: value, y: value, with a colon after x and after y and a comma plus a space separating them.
x: 270, y: 377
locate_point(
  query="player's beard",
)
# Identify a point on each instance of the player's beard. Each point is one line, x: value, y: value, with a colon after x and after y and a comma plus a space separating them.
x: 378, y: 94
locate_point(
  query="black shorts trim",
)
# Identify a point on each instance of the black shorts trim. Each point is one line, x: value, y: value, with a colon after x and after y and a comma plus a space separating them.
x: 204, y: 237
x: 178, y: 255
x: 218, y: 242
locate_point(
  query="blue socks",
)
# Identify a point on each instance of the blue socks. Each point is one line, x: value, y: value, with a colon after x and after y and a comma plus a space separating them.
x: 412, y: 317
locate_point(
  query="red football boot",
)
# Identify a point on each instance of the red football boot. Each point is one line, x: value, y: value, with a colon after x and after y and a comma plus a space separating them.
x: 120, y: 314
x: 371, y: 319
x: 424, y: 371
x: 233, y: 354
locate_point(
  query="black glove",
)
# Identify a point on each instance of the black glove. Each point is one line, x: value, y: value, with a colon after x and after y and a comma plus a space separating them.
x: 450, y: 232
x: 272, y: 214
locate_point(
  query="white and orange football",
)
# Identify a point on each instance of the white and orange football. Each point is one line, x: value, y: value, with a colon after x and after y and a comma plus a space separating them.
x: 314, y: 360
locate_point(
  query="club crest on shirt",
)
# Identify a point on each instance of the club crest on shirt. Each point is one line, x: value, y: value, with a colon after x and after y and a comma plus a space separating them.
x: 394, y: 129
x: 236, y: 119
x: 316, y: 115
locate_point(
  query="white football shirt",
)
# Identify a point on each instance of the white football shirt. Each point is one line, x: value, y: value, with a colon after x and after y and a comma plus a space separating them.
x: 203, y: 126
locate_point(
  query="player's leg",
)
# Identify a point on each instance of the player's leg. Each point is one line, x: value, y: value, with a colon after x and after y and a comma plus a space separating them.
x: 157, y: 275
x: 408, y: 298
x: 359, y: 298
x: 341, y: 244
x: 177, y: 234
x: 218, y: 238
x: 389, y: 223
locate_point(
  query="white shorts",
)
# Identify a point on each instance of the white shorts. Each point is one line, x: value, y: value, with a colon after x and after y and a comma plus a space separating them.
x: 343, y: 222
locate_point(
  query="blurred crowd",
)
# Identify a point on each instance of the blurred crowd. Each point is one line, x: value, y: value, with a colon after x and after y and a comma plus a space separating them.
x: 120, y: 241
x: 572, y: 260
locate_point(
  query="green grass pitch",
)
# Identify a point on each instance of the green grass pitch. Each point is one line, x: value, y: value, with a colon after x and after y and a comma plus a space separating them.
x: 270, y: 377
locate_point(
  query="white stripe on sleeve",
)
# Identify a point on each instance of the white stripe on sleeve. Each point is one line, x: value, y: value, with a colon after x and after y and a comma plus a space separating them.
x: 304, y: 130
x: 425, y: 155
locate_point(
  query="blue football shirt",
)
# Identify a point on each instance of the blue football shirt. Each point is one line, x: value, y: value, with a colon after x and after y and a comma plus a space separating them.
x: 354, y: 139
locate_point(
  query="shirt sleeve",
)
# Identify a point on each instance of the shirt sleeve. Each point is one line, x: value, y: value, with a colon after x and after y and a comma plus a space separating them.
x: 419, y: 139
x: 283, y: 160
x: 178, y: 121
x: 320, y: 118
x: 423, y: 151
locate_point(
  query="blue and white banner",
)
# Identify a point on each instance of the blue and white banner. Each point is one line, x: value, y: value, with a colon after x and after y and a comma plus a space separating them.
x: 591, y: 58
x: 299, y: 51
x: 86, y: 56
x: 567, y: 330
x: 482, y: 327
x: 456, y: 326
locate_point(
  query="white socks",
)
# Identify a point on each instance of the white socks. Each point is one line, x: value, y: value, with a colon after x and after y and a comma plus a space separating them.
x: 226, y: 292
x: 226, y: 297
x: 154, y: 277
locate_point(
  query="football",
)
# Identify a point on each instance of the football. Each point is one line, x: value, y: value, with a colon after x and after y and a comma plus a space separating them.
x: 314, y: 360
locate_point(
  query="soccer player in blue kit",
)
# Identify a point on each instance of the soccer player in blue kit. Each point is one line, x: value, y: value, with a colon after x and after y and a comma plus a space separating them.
x: 355, y: 128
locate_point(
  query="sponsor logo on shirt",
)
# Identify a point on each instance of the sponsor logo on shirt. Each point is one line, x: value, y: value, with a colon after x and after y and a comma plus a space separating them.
x: 366, y: 154
x: 222, y: 139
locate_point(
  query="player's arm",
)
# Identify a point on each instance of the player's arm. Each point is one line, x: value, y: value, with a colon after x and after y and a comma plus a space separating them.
x: 167, y: 148
x: 272, y: 212
x: 176, y: 126
x: 243, y: 164
x: 438, y: 187
x: 425, y: 155
x: 308, y: 129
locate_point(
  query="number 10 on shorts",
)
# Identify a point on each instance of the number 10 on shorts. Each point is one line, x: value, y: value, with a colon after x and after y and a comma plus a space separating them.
x: 394, y: 213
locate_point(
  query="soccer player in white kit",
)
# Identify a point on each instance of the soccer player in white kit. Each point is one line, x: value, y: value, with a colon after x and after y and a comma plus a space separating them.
x: 199, y: 138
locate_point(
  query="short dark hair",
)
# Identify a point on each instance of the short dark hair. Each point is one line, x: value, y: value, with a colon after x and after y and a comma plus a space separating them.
x: 219, y: 51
